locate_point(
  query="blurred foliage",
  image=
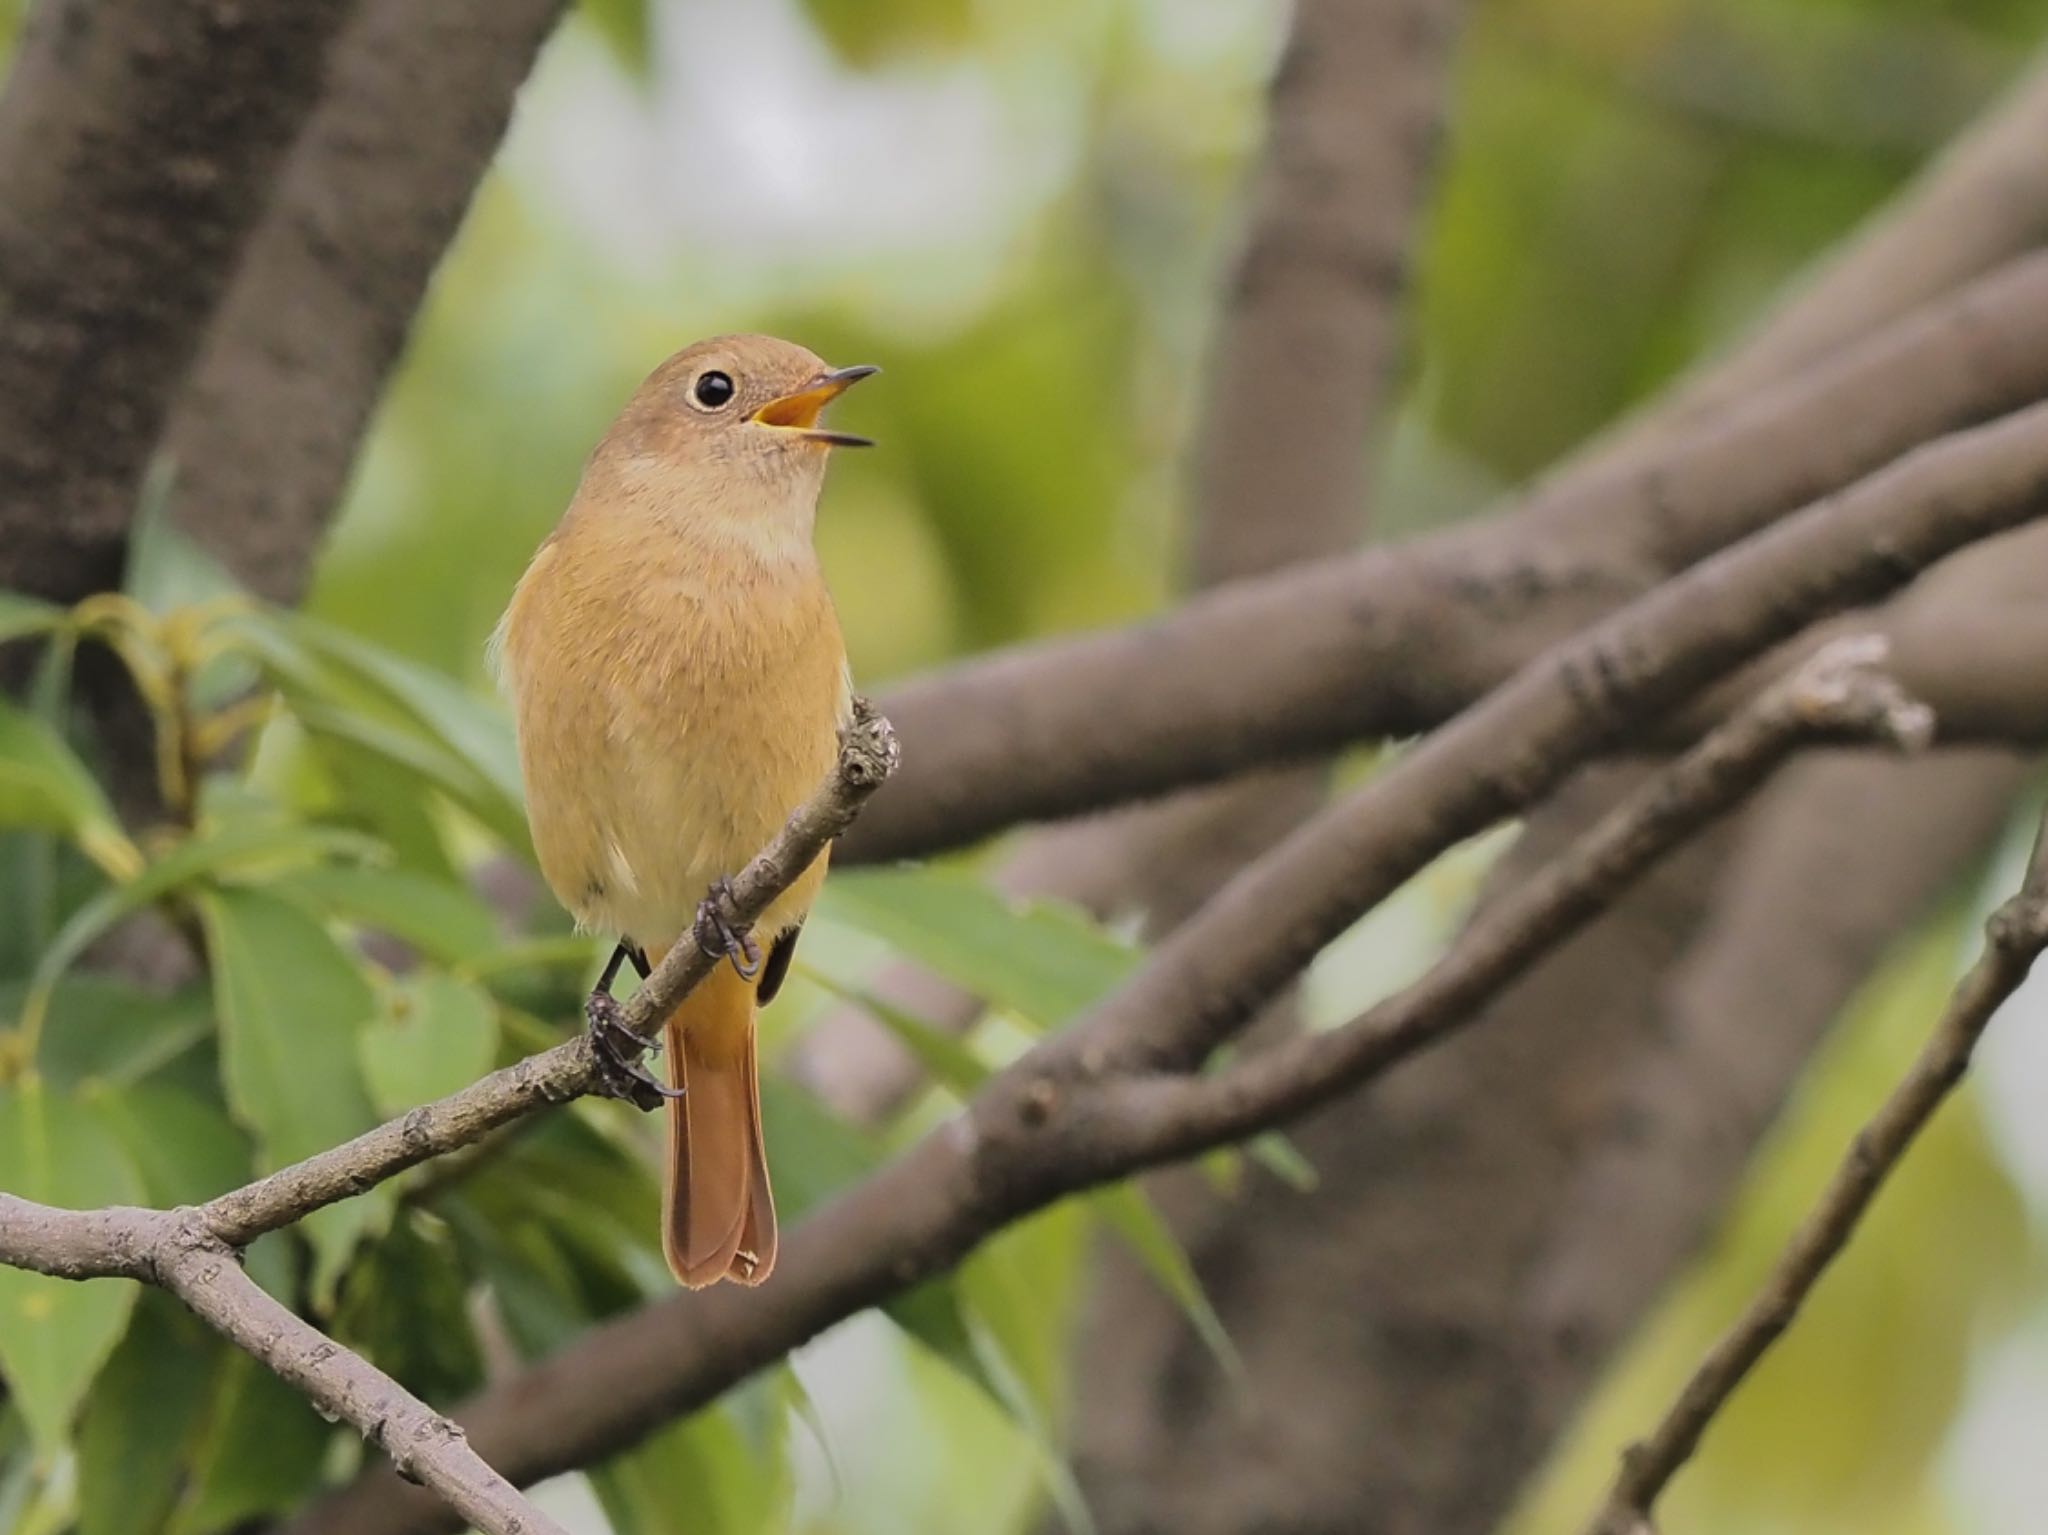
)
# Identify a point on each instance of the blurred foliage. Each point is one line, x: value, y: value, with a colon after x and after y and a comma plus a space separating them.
x: 1032, y: 249
x: 344, y: 970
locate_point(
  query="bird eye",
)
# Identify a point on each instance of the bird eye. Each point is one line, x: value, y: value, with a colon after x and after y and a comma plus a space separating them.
x: 713, y: 390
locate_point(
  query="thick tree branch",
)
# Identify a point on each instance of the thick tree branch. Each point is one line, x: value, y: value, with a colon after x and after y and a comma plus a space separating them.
x: 2014, y: 938
x: 1508, y: 750
x: 174, y: 1249
x: 1039, y: 1132
x: 1303, y: 358
x: 264, y: 430
x: 138, y: 142
x: 1303, y: 661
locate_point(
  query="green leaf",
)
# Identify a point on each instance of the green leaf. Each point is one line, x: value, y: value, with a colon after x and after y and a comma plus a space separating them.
x: 1014, y: 1303
x: 473, y: 730
x: 188, y: 1150
x: 104, y: 1031
x: 22, y: 616
x: 31, y: 861
x: 696, y: 1477
x: 566, y: 1224
x: 435, y: 1034
x: 933, y: 1314
x: 382, y: 797
x: 1286, y: 1161
x: 292, y: 1003
x: 421, y: 760
x: 166, y: 568
x: 443, y: 920
x: 1133, y: 1217
x: 259, y: 1452
x: 237, y: 846
x: 411, y: 715
x: 946, y: 1057
x: 623, y: 24
x: 56, y: 1333
x: 814, y: 1153
x: 139, y: 1431
x: 44, y: 786
x: 405, y: 1307
x: 1043, y: 962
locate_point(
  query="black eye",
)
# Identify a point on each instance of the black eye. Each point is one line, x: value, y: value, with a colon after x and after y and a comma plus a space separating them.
x: 713, y: 390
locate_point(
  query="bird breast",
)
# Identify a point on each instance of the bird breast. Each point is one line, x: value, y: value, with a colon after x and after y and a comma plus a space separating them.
x: 674, y: 705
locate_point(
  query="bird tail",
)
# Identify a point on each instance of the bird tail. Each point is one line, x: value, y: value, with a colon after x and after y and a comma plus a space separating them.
x: 718, y: 1216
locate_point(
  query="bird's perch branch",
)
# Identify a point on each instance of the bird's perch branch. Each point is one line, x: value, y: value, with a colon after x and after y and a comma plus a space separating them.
x: 1087, y: 1106
x: 2014, y: 938
x: 174, y: 1249
x: 1034, y: 1136
x: 193, y: 1252
x: 867, y: 756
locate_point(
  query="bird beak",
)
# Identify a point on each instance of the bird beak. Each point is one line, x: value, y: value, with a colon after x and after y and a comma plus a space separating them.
x: 799, y: 411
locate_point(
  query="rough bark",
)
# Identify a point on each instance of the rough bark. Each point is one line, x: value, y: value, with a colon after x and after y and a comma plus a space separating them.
x: 138, y: 142
x: 266, y: 427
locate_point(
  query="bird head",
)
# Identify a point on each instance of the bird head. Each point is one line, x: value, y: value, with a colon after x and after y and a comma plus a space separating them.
x: 728, y: 432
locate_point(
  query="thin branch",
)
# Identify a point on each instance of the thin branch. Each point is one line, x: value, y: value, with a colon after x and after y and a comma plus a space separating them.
x: 2014, y: 938
x: 1837, y: 693
x: 1508, y: 750
x: 1394, y: 641
x: 174, y: 1249
x: 1035, y: 1135
x: 193, y: 1252
x: 867, y: 756
x: 1265, y: 926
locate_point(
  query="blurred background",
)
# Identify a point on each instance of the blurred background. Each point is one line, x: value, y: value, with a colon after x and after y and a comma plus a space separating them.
x: 1022, y: 209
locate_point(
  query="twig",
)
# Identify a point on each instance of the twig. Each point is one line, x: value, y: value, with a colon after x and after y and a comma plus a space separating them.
x: 2014, y: 938
x: 1837, y: 693
x: 867, y: 756
x: 174, y: 1249
x: 192, y: 1252
x: 1036, y: 1134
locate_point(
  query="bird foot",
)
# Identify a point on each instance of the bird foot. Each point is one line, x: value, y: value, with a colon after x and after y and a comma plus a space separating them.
x: 617, y: 1051
x: 719, y: 934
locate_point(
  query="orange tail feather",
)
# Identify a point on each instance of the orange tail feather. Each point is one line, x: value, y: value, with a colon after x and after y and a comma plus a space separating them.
x: 718, y: 1216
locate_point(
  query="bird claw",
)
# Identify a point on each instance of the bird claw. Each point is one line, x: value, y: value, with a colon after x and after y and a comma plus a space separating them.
x: 617, y: 1050
x: 719, y: 934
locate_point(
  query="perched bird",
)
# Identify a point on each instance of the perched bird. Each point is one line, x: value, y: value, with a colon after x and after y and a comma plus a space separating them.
x: 676, y: 671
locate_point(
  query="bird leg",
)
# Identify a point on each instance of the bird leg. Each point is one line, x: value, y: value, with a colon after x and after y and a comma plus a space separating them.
x: 718, y: 932
x: 616, y: 1048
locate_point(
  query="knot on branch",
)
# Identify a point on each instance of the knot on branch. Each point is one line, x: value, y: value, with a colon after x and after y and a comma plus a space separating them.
x: 868, y: 749
x: 1842, y: 687
x: 174, y: 1239
x: 2019, y: 925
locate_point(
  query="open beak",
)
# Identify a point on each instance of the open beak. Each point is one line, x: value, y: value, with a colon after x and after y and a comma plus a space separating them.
x: 799, y: 412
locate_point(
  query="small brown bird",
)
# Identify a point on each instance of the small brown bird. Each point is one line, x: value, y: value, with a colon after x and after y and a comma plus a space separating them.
x: 676, y: 670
